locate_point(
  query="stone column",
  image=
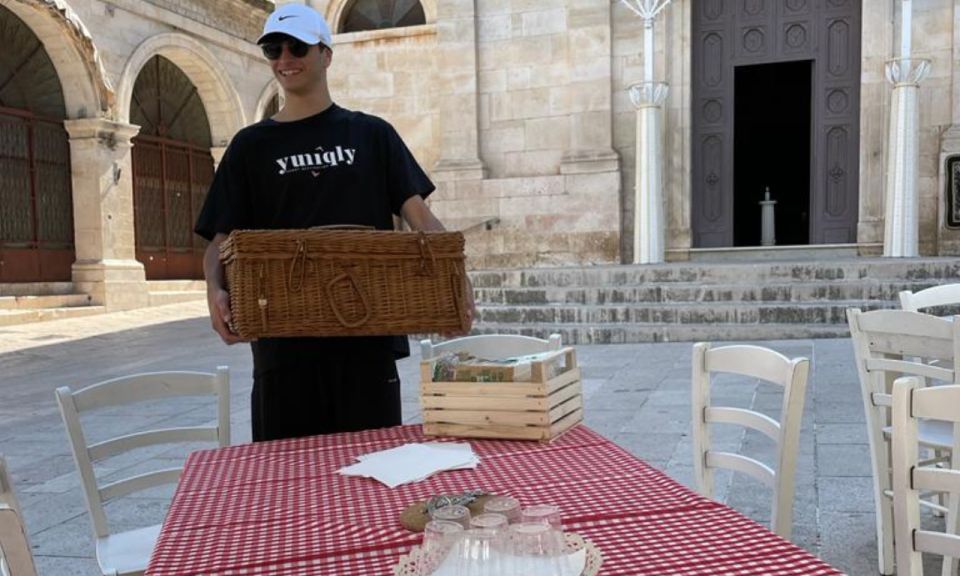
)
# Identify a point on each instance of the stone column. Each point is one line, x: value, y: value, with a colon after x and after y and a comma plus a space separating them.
x: 457, y: 92
x: 590, y: 49
x: 106, y: 266
x: 901, y: 223
x: 648, y: 222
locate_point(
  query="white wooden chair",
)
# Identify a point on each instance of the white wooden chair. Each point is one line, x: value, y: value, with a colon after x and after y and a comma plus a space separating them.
x: 889, y: 344
x: 944, y: 295
x: 491, y: 346
x: 16, y: 558
x: 913, y: 405
x: 770, y: 366
x: 123, y: 553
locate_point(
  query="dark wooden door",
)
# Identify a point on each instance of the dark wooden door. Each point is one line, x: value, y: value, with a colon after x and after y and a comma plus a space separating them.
x: 36, y: 201
x: 731, y: 33
x: 36, y: 204
x: 172, y: 169
x: 170, y: 182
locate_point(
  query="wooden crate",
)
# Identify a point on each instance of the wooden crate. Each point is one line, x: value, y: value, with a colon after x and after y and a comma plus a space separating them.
x: 539, y: 409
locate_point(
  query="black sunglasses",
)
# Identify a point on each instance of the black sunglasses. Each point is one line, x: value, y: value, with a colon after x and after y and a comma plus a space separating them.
x: 273, y: 50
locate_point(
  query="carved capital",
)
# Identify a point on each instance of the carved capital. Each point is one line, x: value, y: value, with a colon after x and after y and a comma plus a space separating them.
x: 909, y: 71
x: 647, y: 94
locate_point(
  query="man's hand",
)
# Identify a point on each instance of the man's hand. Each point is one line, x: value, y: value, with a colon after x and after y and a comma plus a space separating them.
x: 218, y: 302
x: 418, y: 215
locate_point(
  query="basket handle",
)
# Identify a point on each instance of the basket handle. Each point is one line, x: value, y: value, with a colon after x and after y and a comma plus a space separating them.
x: 425, y: 251
x: 346, y: 275
x: 299, y: 257
x: 262, y: 299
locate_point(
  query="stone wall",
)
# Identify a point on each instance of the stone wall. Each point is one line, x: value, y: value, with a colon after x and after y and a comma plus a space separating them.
x: 933, y: 32
x: 240, y: 18
x: 392, y: 74
x: 550, y: 185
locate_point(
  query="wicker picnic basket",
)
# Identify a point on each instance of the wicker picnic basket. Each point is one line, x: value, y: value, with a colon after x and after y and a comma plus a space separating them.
x: 343, y: 281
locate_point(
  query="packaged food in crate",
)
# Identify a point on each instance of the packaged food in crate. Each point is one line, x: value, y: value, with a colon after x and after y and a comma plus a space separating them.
x: 534, y: 397
x: 344, y: 282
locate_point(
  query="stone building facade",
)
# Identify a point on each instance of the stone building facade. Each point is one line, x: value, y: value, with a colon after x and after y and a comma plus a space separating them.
x: 519, y: 110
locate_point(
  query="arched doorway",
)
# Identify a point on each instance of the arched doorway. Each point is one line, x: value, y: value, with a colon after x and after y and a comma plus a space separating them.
x: 172, y: 169
x: 776, y: 92
x: 36, y: 202
x: 379, y: 14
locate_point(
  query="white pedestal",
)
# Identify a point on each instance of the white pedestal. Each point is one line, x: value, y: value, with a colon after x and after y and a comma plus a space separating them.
x: 901, y: 222
x: 648, y: 223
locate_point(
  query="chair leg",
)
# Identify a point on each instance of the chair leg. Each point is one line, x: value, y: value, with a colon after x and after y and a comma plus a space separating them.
x: 885, y: 553
x: 882, y: 483
x: 952, y: 523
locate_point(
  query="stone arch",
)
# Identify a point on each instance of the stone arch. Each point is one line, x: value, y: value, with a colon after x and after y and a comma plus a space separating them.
x: 220, y: 99
x: 86, y: 90
x: 337, y: 8
x: 269, y: 91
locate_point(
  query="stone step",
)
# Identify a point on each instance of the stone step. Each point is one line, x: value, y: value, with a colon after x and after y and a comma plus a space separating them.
x: 160, y: 298
x: 176, y: 285
x: 893, y: 269
x: 699, y: 300
x: 656, y: 332
x: 720, y: 313
x: 694, y: 292
x: 9, y: 317
x: 35, y: 288
x: 44, y: 301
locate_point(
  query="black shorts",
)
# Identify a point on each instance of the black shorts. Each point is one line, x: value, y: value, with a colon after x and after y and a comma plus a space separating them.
x: 307, y: 386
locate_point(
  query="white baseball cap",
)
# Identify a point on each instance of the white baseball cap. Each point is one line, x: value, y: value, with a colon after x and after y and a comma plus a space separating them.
x: 300, y: 21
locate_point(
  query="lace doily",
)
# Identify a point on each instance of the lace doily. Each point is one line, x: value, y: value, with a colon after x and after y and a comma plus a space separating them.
x: 407, y: 566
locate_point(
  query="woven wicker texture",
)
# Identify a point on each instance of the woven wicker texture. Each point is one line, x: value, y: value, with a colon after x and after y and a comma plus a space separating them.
x: 344, y: 282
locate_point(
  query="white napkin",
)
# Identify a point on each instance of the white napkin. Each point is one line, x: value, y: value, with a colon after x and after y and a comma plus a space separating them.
x: 412, y: 462
x: 509, y: 564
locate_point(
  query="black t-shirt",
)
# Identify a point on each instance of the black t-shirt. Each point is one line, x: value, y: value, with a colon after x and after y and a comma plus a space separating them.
x: 336, y: 167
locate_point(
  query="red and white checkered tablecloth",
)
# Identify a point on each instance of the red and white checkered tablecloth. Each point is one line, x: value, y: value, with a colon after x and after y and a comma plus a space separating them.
x: 280, y: 508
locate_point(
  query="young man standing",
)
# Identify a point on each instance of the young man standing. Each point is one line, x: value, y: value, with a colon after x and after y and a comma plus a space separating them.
x: 312, y: 164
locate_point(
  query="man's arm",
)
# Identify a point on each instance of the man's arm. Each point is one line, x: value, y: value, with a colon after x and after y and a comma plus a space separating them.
x: 418, y: 215
x: 218, y: 300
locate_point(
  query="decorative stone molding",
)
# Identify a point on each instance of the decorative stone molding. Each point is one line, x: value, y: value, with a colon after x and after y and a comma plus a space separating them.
x: 214, y: 86
x: 646, y: 94
x: 907, y: 71
x: 70, y: 47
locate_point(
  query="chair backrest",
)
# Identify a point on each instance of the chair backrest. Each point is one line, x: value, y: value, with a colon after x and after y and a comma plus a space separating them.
x: 129, y: 390
x: 16, y: 558
x: 888, y: 344
x: 944, y: 295
x: 770, y: 366
x: 911, y: 403
x: 491, y: 346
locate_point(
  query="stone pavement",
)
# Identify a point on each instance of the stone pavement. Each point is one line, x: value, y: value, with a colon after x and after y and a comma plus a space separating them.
x: 635, y: 394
